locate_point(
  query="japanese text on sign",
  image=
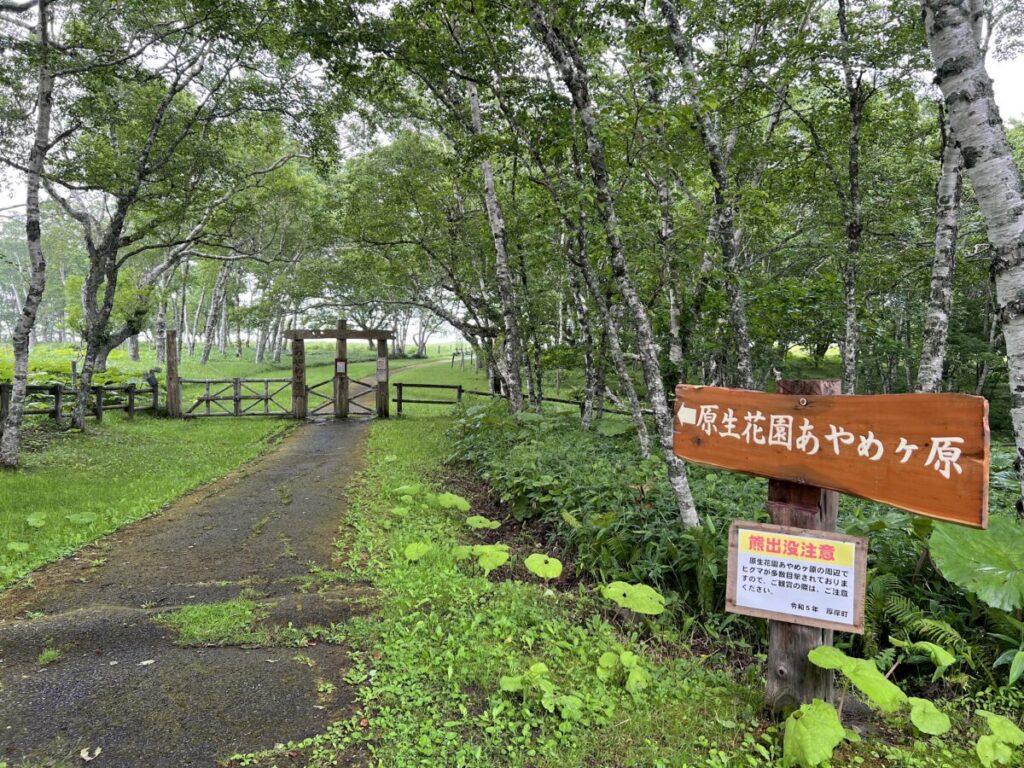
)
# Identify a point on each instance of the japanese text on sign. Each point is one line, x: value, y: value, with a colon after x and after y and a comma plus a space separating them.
x: 926, y: 453
x: 795, y: 575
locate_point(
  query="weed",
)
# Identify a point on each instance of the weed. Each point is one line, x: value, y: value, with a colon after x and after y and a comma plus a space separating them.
x: 233, y: 622
x: 48, y: 655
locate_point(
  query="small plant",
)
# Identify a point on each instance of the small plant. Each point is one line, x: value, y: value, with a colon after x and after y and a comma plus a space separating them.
x: 303, y: 659
x: 479, y: 521
x: 812, y: 734
x: 543, y: 566
x: 623, y: 668
x: 417, y: 550
x: 638, y: 598
x: 48, y: 655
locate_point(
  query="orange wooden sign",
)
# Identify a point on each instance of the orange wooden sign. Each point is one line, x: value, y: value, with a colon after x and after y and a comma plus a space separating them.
x: 924, y: 453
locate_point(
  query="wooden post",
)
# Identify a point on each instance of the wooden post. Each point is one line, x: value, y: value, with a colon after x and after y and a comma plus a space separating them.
x: 341, y: 379
x: 5, y: 403
x: 156, y: 397
x: 399, y: 388
x: 58, y: 401
x: 382, y: 379
x: 236, y: 396
x: 792, y: 679
x: 173, y: 382
x: 100, y: 393
x: 131, y: 401
x: 458, y: 394
x: 298, y: 378
x: 74, y: 374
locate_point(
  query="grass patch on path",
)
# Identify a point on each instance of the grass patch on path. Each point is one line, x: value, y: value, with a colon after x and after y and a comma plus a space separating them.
x: 233, y: 622
x: 73, y: 488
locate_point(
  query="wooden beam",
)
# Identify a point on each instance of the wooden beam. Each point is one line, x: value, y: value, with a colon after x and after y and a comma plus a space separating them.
x: 333, y: 333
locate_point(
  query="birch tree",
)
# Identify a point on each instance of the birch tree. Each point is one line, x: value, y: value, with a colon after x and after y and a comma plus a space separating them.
x: 989, y: 164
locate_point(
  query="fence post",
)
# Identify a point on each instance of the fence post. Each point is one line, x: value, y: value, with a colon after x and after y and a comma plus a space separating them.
x: 458, y: 394
x: 156, y: 397
x: 74, y: 374
x: 341, y: 377
x: 383, y: 408
x: 236, y: 396
x: 792, y: 679
x: 130, y: 408
x: 173, y: 382
x: 100, y: 391
x: 58, y: 401
x: 399, y: 388
x: 298, y: 378
x: 5, y: 402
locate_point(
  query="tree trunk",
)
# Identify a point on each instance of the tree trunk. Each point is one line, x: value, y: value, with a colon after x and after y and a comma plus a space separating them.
x: 503, y: 273
x: 22, y: 334
x: 940, y: 301
x: 213, y: 315
x: 575, y: 76
x: 988, y: 163
x: 133, y: 348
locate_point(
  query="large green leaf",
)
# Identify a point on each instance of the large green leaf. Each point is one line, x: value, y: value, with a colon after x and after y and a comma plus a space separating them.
x: 939, y: 656
x: 452, y: 501
x: 544, y: 566
x: 927, y: 718
x: 490, y: 556
x: 1003, y: 728
x: 812, y: 734
x: 417, y: 550
x: 827, y: 657
x: 989, y: 563
x: 479, y: 521
x: 883, y: 693
x: 636, y: 597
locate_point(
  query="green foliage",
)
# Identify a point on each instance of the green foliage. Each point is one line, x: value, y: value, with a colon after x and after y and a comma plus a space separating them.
x: 491, y: 556
x: 997, y: 746
x: 479, y: 521
x: 48, y: 655
x: 812, y: 734
x: 988, y: 562
x: 543, y: 566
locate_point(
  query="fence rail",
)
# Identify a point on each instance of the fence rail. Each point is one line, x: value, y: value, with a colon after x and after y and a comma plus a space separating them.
x: 53, y: 400
x: 460, y: 391
x: 244, y: 397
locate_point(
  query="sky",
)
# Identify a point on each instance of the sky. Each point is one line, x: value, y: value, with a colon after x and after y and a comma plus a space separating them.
x: 1007, y: 77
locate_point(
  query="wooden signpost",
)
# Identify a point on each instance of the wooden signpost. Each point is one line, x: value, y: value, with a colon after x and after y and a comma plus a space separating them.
x: 925, y: 453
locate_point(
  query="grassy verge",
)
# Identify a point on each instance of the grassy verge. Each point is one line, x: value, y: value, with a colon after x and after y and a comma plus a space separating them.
x: 73, y: 488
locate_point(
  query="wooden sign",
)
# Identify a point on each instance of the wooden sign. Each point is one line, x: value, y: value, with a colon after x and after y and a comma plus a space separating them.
x: 924, y: 453
x: 795, y: 575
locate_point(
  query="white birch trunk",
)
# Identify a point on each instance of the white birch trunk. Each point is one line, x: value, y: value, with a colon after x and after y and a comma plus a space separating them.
x: 988, y: 162
x: 22, y: 335
x: 503, y: 273
x: 940, y: 300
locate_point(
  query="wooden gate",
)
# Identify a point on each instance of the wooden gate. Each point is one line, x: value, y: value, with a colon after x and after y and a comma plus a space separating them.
x: 339, y: 395
x: 343, y: 400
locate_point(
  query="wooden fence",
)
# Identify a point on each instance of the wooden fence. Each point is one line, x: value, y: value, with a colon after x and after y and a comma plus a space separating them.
x: 237, y: 397
x: 460, y: 391
x: 55, y: 400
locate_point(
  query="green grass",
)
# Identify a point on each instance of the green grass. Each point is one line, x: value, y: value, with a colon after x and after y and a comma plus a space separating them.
x: 73, y: 488
x: 233, y: 622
